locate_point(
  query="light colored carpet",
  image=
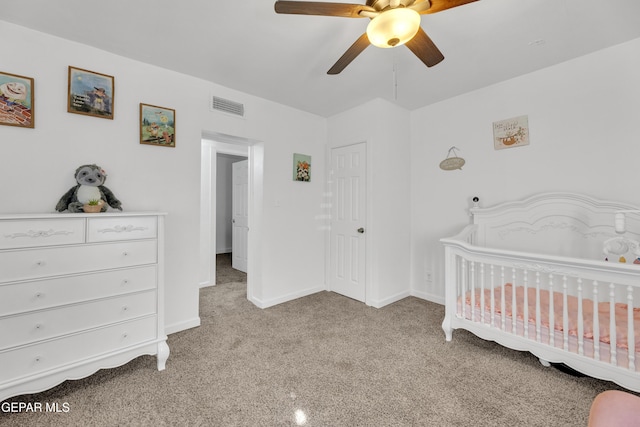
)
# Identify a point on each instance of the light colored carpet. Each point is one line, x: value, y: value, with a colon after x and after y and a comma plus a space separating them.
x: 225, y: 273
x: 322, y: 360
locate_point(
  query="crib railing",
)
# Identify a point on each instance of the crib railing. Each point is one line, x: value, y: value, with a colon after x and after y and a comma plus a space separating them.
x: 525, y: 301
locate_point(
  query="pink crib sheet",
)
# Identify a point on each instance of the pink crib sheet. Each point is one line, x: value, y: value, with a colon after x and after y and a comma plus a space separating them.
x: 621, y: 314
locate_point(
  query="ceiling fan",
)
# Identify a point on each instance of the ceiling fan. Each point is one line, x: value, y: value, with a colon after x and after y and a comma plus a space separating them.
x: 393, y: 23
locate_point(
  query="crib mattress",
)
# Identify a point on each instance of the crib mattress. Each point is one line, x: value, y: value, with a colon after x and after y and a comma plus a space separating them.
x: 542, y: 332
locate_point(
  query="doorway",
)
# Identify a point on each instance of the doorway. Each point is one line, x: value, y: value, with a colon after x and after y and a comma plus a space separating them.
x: 212, y: 144
x: 231, y: 218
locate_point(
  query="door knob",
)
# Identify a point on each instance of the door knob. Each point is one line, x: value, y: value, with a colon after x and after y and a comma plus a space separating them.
x: 360, y: 230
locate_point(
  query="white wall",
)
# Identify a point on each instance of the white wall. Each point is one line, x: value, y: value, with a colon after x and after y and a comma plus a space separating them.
x: 37, y: 165
x: 385, y: 128
x: 293, y: 231
x: 583, y: 117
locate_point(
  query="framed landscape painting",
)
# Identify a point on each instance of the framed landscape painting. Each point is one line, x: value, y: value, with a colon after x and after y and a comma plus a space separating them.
x: 16, y: 100
x: 157, y: 125
x: 90, y: 93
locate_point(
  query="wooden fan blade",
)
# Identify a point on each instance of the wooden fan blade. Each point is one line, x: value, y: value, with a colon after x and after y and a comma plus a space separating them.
x: 356, y: 49
x: 422, y: 46
x: 437, y: 5
x: 322, y: 8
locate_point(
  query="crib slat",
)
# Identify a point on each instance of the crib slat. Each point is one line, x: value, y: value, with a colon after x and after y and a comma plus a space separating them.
x: 580, y: 320
x: 514, y: 305
x: 463, y: 286
x: 538, y: 314
x: 482, y: 306
x: 525, y: 314
x: 493, y: 296
x: 502, y: 301
x: 631, y: 337
x: 472, y: 285
x: 596, y: 323
x: 552, y: 323
x: 613, y: 344
x: 456, y: 281
x: 565, y: 315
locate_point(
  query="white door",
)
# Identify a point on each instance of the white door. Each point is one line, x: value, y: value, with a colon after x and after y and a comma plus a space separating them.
x: 348, y: 220
x: 240, y: 216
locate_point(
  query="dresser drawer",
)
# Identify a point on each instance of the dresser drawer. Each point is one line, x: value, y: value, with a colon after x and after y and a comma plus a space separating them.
x: 44, y: 324
x: 46, y: 293
x: 41, y: 232
x: 73, y: 349
x: 122, y: 228
x: 44, y: 262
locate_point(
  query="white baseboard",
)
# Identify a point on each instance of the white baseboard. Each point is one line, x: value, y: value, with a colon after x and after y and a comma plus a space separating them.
x: 181, y: 326
x: 285, y: 298
x: 438, y: 299
x: 390, y: 300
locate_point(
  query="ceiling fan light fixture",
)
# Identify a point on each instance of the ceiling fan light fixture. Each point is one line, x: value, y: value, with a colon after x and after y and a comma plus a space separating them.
x: 393, y: 27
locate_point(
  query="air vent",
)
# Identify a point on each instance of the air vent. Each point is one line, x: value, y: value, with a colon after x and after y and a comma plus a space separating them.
x: 226, y: 106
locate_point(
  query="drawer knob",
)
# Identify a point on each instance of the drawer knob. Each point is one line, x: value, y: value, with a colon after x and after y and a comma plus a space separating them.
x: 125, y: 253
x: 38, y: 358
x: 125, y: 308
x: 38, y: 326
x: 125, y: 282
x: 125, y: 335
x: 39, y: 295
x: 40, y: 263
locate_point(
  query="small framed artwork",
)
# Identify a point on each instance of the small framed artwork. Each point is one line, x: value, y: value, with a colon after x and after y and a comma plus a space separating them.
x: 16, y: 100
x: 90, y: 93
x: 512, y: 132
x: 301, y: 167
x: 157, y: 125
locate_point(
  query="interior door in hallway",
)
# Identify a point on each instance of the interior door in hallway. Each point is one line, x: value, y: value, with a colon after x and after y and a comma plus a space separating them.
x: 240, y: 215
x: 348, y: 221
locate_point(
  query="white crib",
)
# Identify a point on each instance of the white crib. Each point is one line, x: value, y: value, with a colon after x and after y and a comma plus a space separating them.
x: 532, y: 276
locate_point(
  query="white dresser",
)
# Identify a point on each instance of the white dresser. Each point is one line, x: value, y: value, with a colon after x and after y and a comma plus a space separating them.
x: 78, y: 293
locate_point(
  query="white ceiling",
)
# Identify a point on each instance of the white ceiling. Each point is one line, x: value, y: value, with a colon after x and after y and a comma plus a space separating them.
x: 245, y: 45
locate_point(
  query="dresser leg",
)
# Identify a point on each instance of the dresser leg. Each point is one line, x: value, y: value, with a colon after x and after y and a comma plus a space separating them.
x: 163, y: 355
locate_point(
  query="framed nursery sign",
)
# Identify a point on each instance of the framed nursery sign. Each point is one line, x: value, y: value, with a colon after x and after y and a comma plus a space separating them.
x: 16, y: 100
x: 90, y: 93
x: 157, y: 125
x: 301, y: 167
x: 512, y: 132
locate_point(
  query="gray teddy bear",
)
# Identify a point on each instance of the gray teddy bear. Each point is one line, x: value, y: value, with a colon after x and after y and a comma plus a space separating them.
x: 90, y: 179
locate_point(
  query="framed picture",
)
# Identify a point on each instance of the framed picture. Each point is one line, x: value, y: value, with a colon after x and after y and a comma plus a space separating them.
x: 301, y: 167
x: 157, y: 125
x: 90, y: 93
x: 16, y: 100
x: 512, y: 132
